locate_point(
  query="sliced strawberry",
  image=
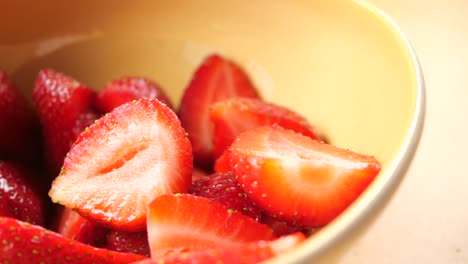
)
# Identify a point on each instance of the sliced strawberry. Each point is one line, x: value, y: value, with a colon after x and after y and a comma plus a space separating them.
x: 223, y: 187
x: 297, y: 179
x: 215, y: 80
x: 222, y: 163
x: 127, y: 89
x: 26, y: 243
x: 184, y: 222
x: 122, y: 162
x: 251, y: 252
x: 19, y: 194
x: 235, y: 115
x: 65, y: 109
x: 20, y: 138
x: 72, y: 225
x: 129, y: 242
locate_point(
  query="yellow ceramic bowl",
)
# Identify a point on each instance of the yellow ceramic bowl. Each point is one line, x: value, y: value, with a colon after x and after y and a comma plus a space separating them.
x: 342, y: 63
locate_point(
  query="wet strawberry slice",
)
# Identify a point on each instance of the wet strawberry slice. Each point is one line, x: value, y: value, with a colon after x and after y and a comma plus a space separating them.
x: 248, y: 253
x: 216, y: 79
x: 185, y: 222
x: 236, y: 115
x: 297, y: 179
x: 122, y: 162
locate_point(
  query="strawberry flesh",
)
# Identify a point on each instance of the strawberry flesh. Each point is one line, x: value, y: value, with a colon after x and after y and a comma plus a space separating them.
x: 185, y: 222
x: 127, y: 89
x: 122, y: 162
x: 235, y: 115
x: 223, y: 187
x: 297, y: 179
x: 216, y: 79
x: 22, y: 242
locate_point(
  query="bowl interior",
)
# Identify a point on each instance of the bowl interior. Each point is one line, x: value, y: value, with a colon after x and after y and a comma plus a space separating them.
x: 339, y: 63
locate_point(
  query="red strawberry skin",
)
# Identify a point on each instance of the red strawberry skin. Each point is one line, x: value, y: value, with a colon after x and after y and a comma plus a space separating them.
x: 216, y: 79
x: 20, y: 138
x: 198, y: 174
x: 19, y: 194
x: 280, y: 228
x: 129, y: 242
x: 127, y: 89
x: 185, y: 222
x: 122, y: 162
x: 235, y: 115
x: 26, y: 243
x: 297, y: 179
x: 248, y: 253
x: 72, y: 225
x: 223, y: 187
x: 65, y: 108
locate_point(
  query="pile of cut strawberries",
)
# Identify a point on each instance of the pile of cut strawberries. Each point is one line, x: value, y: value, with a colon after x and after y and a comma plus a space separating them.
x: 120, y: 175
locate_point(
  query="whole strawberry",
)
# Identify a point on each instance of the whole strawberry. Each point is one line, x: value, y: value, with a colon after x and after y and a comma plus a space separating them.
x: 223, y: 187
x: 127, y: 89
x: 65, y: 109
x: 20, y: 138
x: 19, y: 195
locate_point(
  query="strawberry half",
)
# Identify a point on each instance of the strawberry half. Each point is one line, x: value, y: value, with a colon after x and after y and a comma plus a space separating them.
x: 127, y: 89
x: 185, y: 222
x: 297, y: 179
x: 248, y: 253
x: 122, y: 162
x: 129, y: 242
x: 65, y: 108
x: 26, y: 243
x: 19, y: 126
x: 19, y: 195
x: 235, y: 115
x: 216, y: 79
x: 223, y: 187
x: 72, y: 225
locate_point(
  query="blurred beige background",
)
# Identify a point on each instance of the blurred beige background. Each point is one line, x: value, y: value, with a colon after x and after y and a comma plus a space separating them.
x: 427, y: 220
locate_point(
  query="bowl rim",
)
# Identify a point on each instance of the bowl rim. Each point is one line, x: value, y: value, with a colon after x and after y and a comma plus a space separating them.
x: 367, y: 207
